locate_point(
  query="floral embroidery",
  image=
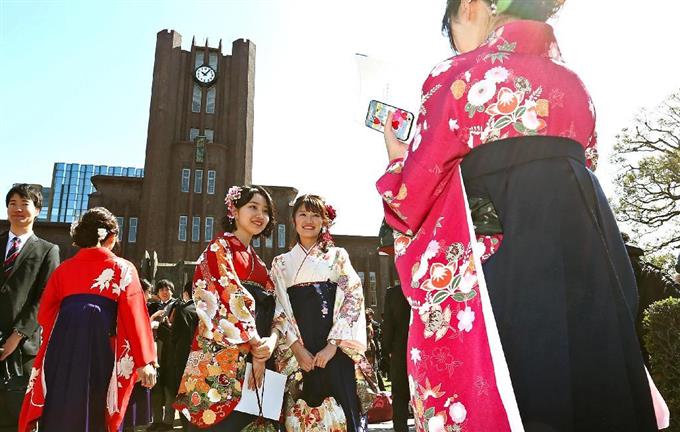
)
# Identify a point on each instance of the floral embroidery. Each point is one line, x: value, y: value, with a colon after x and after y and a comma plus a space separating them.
x: 457, y: 412
x: 441, y: 67
x: 415, y: 355
x: 103, y: 280
x: 31, y: 380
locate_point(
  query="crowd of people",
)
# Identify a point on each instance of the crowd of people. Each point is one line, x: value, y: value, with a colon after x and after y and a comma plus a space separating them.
x: 516, y: 310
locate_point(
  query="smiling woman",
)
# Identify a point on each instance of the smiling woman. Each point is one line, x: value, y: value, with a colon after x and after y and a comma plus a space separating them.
x: 234, y: 300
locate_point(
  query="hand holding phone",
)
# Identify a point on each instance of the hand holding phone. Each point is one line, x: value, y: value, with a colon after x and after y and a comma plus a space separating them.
x: 402, y: 120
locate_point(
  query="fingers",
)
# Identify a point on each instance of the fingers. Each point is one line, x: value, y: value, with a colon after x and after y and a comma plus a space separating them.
x: 320, y: 360
x: 389, y: 132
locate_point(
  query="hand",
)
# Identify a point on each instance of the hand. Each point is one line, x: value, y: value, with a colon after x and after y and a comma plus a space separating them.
x: 255, y: 341
x: 304, y: 358
x: 325, y: 355
x: 395, y: 148
x: 10, y: 345
x: 265, y: 349
x: 157, y: 315
x: 257, y: 377
x: 147, y: 375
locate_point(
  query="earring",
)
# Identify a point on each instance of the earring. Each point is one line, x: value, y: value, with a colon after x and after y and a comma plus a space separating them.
x: 494, y: 8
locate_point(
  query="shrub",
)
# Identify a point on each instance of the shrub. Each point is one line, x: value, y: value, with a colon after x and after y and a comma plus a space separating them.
x: 662, y: 340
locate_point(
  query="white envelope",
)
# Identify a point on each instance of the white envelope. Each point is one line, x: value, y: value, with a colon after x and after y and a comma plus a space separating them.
x: 271, y: 395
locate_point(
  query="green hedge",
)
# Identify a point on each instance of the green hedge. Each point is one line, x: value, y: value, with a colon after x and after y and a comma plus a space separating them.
x: 662, y: 340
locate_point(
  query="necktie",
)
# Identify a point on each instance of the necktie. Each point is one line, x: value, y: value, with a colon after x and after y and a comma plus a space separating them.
x: 12, y: 255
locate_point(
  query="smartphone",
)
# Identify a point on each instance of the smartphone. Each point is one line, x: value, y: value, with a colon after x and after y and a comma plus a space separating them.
x: 402, y: 120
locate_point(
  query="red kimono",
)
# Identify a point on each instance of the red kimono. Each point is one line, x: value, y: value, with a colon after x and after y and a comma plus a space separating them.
x: 94, y: 276
x: 227, y: 274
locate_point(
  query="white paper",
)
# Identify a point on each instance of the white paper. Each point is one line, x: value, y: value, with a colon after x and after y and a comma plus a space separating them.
x: 271, y: 395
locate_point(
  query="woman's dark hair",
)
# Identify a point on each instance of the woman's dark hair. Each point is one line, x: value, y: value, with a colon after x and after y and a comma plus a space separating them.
x: 316, y: 204
x: 247, y: 193
x: 536, y: 10
x: 85, y: 232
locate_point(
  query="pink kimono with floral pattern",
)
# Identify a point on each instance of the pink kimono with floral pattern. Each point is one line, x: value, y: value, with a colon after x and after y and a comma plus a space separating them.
x: 513, y: 85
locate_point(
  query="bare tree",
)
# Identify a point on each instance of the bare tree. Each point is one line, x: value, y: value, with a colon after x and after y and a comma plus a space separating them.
x: 647, y: 157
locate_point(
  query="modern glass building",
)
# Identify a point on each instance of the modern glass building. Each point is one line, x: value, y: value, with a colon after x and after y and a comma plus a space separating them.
x: 47, y: 196
x: 72, y: 185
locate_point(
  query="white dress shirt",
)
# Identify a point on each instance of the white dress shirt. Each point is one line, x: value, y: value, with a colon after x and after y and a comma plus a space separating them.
x: 22, y: 241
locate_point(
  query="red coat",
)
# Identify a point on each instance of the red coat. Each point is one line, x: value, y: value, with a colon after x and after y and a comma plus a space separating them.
x: 96, y: 271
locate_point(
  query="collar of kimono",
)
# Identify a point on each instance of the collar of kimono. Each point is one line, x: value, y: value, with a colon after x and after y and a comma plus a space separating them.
x: 529, y: 37
x: 95, y: 253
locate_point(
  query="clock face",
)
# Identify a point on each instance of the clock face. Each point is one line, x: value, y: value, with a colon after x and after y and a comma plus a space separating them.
x: 205, y: 74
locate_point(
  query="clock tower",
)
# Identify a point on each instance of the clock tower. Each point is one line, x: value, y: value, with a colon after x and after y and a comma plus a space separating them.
x: 200, y: 142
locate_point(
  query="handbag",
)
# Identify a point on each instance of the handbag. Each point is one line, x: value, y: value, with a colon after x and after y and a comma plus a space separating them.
x: 327, y: 417
x: 381, y: 411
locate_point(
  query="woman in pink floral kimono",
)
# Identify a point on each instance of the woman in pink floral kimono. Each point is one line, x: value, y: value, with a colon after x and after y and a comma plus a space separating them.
x: 522, y: 294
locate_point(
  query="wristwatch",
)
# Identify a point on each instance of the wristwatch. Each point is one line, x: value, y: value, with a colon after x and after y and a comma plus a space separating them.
x: 333, y: 342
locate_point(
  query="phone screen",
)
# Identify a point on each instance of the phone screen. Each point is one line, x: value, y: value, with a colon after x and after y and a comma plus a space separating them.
x: 402, y: 120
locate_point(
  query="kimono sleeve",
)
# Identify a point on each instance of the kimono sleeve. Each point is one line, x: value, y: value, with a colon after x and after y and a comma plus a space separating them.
x: 284, y: 322
x: 134, y: 317
x: 410, y: 186
x: 224, y: 308
x: 349, y: 317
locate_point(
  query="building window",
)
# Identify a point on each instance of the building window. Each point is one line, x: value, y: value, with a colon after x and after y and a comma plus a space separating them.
x: 282, y: 236
x: 209, y: 223
x: 269, y: 241
x: 132, y: 231
x: 193, y: 133
x: 210, y: 100
x: 212, y: 174
x: 186, y: 176
x: 256, y: 242
x: 196, y: 99
x: 209, y: 135
x: 199, y: 60
x: 198, y: 181
x: 182, y: 232
x: 213, y: 60
x: 362, y: 277
x: 121, y: 227
x: 196, y: 229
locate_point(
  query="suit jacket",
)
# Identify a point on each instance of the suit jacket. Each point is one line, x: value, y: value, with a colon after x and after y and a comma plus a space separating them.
x: 396, y: 321
x: 20, y: 292
x: 184, y: 326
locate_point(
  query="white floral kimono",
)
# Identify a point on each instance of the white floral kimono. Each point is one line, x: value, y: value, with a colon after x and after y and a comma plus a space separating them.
x: 299, y: 267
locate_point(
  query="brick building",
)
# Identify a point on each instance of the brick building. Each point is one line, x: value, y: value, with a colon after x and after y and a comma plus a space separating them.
x: 199, y: 143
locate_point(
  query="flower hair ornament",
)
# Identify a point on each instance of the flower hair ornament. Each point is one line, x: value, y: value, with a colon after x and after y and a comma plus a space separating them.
x: 233, y: 195
x: 102, y: 233
x: 326, y: 236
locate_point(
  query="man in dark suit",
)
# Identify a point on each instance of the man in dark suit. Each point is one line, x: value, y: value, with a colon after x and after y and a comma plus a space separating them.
x: 184, y: 322
x: 395, y: 337
x: 27, y: 263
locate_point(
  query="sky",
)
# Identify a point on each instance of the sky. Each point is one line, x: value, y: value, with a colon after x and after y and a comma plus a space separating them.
x: 75, y: 81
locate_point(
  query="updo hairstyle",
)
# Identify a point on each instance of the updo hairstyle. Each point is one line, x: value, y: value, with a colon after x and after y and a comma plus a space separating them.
x: 86, y: 231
